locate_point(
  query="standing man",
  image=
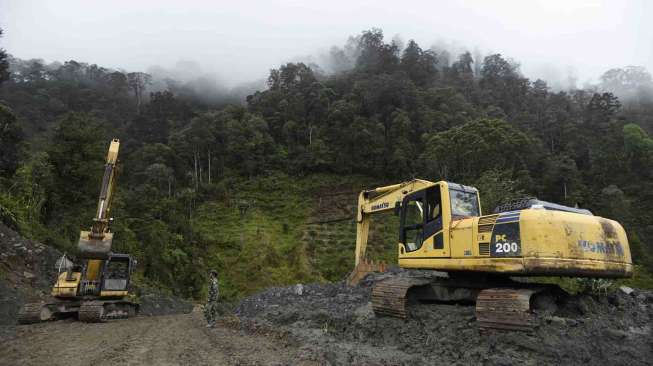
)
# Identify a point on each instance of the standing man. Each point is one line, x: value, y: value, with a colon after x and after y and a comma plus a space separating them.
x: 211, y: 307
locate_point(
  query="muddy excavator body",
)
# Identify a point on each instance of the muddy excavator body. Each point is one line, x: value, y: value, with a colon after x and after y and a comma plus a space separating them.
x: 97, y: 289
x: 442, y: 230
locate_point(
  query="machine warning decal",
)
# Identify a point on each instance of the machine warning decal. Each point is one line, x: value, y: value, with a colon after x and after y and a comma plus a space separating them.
x: 505, y: 240
x: 379, y: 206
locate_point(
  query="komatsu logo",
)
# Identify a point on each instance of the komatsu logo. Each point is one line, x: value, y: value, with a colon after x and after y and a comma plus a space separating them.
x: 379, y: 206
x: 603, y: 248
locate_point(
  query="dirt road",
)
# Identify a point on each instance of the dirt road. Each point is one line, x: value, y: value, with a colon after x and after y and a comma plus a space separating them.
x: 162, y: 340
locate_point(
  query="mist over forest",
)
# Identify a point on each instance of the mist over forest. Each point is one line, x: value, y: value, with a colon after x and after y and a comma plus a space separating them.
x: 374, y: 109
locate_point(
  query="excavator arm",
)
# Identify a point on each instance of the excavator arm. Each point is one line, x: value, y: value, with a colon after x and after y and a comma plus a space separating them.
x: 96, y: 243
x: 371, y: 202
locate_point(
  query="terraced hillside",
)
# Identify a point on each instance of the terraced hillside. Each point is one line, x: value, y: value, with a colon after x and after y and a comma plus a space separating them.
x: 275, y: 230
x: 330, y: 236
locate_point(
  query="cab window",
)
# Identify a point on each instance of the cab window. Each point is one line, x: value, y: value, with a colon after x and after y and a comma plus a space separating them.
x: 464, y: 203
x: 413, y: 220
x: 433, y: 207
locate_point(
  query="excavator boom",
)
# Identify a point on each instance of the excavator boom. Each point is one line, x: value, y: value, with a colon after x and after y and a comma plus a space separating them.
x: 371, y: 202
x: 96, y: 243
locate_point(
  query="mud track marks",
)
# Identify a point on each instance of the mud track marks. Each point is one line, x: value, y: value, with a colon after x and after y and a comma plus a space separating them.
x: 162, y: 340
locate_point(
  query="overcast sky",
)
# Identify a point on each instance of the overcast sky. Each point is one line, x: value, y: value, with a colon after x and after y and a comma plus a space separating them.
x: 241, y: 40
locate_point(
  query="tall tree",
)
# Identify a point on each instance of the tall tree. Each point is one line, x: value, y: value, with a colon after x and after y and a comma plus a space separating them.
x: 138, y: 83
x: 464, y: 152
x: 376, y: 56
x: 10, y: 138
x: 77, y: 155
x: 503, y: 85
x: 4, y: 64
x: 627, y: 82
x: 421, y: 66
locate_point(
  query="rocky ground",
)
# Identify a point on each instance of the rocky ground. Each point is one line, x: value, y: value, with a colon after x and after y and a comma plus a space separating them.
x: 335, y: 324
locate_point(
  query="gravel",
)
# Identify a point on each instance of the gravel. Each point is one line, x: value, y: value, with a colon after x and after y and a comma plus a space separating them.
x: 334, y: 324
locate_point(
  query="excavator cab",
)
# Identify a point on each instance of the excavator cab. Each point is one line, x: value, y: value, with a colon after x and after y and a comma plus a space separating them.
x: 427, y: 215
x: 115, y: 275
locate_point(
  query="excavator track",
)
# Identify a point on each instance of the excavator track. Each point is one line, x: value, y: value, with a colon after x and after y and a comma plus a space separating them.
x: 101, y: 311
x: 390, y: 297
x: 34, y: 313
x: 499, y: 304
x: 512, y: 308
x: 505, y: 308
x: 92, y: 312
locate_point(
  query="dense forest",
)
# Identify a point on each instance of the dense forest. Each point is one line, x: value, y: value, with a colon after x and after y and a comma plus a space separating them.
x: 382, y: 112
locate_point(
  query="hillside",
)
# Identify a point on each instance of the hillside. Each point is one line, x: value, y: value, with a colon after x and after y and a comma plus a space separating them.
x: 282, y: 230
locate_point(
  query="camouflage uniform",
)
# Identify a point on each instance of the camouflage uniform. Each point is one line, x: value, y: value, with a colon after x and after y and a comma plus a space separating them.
x: 211, y: 307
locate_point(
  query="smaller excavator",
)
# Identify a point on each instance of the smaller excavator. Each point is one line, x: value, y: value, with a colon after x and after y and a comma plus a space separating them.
x: 463, y: 256
x: 96, y: 290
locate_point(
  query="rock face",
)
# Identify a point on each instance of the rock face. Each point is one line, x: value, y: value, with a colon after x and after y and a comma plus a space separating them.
x: 335, y: 325
x: 27, y: 269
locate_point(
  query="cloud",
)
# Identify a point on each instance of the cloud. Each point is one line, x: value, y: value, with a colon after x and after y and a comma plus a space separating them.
x: 240, y: 41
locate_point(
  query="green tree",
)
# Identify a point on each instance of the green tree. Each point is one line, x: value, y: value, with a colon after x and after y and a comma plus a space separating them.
x: 562, y: 181
x: 375, y: 55
x: 502, y: 84
x: 10, y: 139
x: 138, y: 83
x: 461, y: 75
x: 639, y: 149
x: 77, y: 154
x: 464, y: 152
x: 601, y: 109
x: 419, y: 65
x: 32, y: 184
x: 249, y: 145
x: 496, y: 187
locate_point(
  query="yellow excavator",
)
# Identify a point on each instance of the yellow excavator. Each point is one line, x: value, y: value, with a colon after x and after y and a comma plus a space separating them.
x: 470, y: 257
x: 97, y: 289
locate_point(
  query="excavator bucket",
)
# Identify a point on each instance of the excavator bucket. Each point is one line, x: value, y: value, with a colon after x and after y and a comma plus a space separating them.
x: 90, y: 248
x: 364, y: 268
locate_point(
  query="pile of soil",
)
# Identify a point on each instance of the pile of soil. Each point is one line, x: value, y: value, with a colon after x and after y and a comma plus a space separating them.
x: 334, y: 324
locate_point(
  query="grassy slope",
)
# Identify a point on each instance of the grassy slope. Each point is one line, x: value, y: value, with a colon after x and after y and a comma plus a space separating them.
x: 277, y: 240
